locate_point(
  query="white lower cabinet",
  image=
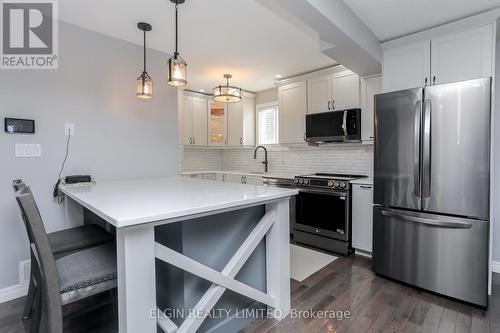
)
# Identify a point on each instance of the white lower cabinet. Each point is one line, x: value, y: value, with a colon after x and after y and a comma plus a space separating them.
x: 362, y: 217
x: 254, y: 180
x: 232, y: 178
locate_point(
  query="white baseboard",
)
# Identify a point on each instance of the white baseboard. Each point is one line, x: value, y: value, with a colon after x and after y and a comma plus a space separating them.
x: 495, y: 266
x: 13, y: 292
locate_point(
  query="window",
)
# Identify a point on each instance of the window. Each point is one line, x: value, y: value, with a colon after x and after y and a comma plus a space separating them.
x: 267, y: 124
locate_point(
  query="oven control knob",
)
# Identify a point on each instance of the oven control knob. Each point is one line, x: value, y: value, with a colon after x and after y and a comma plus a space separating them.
x: 301, y: 181
x: 336, y: 184
x: 306, y: 181
x: 296, y: 181
x: 330, y: 183
x: 342, y: 185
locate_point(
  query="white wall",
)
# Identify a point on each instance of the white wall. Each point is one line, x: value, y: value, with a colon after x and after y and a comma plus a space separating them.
x: 116, y: 135
x: 267, y: 96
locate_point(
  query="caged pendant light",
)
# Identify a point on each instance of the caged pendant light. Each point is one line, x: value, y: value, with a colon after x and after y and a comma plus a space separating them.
x: 144, y: 85
x: 227, y: 93
x: 177, y: 71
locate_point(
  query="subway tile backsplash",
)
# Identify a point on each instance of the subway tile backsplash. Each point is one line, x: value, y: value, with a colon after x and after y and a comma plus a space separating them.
x: 299, y: 159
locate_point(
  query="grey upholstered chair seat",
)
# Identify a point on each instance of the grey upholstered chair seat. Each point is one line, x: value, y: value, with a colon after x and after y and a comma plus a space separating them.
x: 78, y: 238
x: 87, y: 267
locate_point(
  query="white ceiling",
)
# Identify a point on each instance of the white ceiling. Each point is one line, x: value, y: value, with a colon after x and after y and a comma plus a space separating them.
x: 389, y: 19
x: 240, y: 37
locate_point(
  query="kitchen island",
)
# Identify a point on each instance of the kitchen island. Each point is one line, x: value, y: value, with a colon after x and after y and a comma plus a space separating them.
x: 181, y: 243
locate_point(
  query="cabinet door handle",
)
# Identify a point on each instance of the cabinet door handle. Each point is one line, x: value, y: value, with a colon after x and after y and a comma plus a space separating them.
x: 333, y: 104
x: 425, y: 82
x: 194, y: 141
x: 241, y: 141
x: 329, y: 105
x: 434, y: 80
x: 365, y: 186
x: 190, y: 140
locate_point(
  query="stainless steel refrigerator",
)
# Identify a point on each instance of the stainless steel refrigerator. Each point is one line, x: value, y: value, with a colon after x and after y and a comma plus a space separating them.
x: 431, y: 188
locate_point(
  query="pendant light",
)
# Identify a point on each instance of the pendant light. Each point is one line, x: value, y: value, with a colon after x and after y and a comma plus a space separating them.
x: 227, y: 93
x: 177, y: 71
x: 144, y: 85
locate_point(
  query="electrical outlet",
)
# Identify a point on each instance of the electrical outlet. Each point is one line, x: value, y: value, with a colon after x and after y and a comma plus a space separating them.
x: 28, y: 150
x: 24, y: 271
x: 69, y: 129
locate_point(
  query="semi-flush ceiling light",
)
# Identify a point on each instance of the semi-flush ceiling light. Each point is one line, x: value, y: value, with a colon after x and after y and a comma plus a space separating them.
x: 144, y: 85
x: 177, y: 71
x: 227, y: 93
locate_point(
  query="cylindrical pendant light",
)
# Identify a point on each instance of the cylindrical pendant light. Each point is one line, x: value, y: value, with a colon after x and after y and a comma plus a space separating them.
x: 177, y: 71
x: 144, y: 85
x: 227, y: 93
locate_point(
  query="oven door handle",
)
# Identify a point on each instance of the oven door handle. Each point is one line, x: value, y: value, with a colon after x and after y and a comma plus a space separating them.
x: 343, y: 195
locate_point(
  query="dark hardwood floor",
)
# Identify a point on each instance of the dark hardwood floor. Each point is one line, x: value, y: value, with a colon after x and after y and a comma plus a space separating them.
x: 347, y: 284
x: 377, y: 304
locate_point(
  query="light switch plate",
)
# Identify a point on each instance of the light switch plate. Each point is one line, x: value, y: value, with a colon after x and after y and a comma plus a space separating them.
x: 69, y: 129
x: 28, y: 150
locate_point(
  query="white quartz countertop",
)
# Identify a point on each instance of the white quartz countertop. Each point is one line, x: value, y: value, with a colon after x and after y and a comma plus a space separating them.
x: 362, y: 181
x: 126, y: 203
x: 280, y: 175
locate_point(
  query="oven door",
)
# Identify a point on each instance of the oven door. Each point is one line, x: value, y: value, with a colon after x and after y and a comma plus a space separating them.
x: 323, y: 212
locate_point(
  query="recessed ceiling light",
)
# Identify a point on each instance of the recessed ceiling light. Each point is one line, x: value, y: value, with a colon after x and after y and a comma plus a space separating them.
x: 202, y: 90
x: 278, y: 76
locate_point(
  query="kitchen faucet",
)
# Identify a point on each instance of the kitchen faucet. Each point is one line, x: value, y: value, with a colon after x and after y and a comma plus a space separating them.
x: 266, y: 163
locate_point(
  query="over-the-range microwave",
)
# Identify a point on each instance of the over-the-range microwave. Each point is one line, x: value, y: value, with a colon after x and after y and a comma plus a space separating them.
x: 334, y: 126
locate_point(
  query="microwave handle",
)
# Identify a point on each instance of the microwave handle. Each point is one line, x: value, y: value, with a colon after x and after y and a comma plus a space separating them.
x: 344, y: 123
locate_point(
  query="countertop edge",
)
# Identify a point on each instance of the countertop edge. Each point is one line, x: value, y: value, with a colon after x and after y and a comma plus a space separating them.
x: 122, y: 223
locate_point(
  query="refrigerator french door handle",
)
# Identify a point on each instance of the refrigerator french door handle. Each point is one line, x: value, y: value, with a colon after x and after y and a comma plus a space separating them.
x: 431, y: 222
x: 344, y: 123
x: 426, y: 156
x: 416, y: 149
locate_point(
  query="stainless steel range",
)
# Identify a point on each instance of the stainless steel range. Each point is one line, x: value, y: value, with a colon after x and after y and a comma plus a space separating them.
x: 323, y: 211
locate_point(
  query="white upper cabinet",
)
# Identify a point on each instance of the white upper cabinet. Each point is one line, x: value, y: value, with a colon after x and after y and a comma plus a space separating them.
x: 241, y: 122
x: 337, y: 91
x: 406, y: 67
x: 187, y: 106
x: 462, y: 56
x: 217, y: 121
x: 319, y: 94
x: 194, y: 121
x: 345, y: 90
x: 249, y: 120
x: 370, y: 86
x: 292, y: 110
x: 235, y: 124
x: 199, y: 120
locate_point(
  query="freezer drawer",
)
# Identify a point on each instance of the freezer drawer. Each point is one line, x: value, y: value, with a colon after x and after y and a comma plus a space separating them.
x: 442, y: 254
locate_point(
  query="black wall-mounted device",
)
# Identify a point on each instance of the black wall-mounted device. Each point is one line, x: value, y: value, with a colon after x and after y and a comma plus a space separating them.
x: 16, y: 125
